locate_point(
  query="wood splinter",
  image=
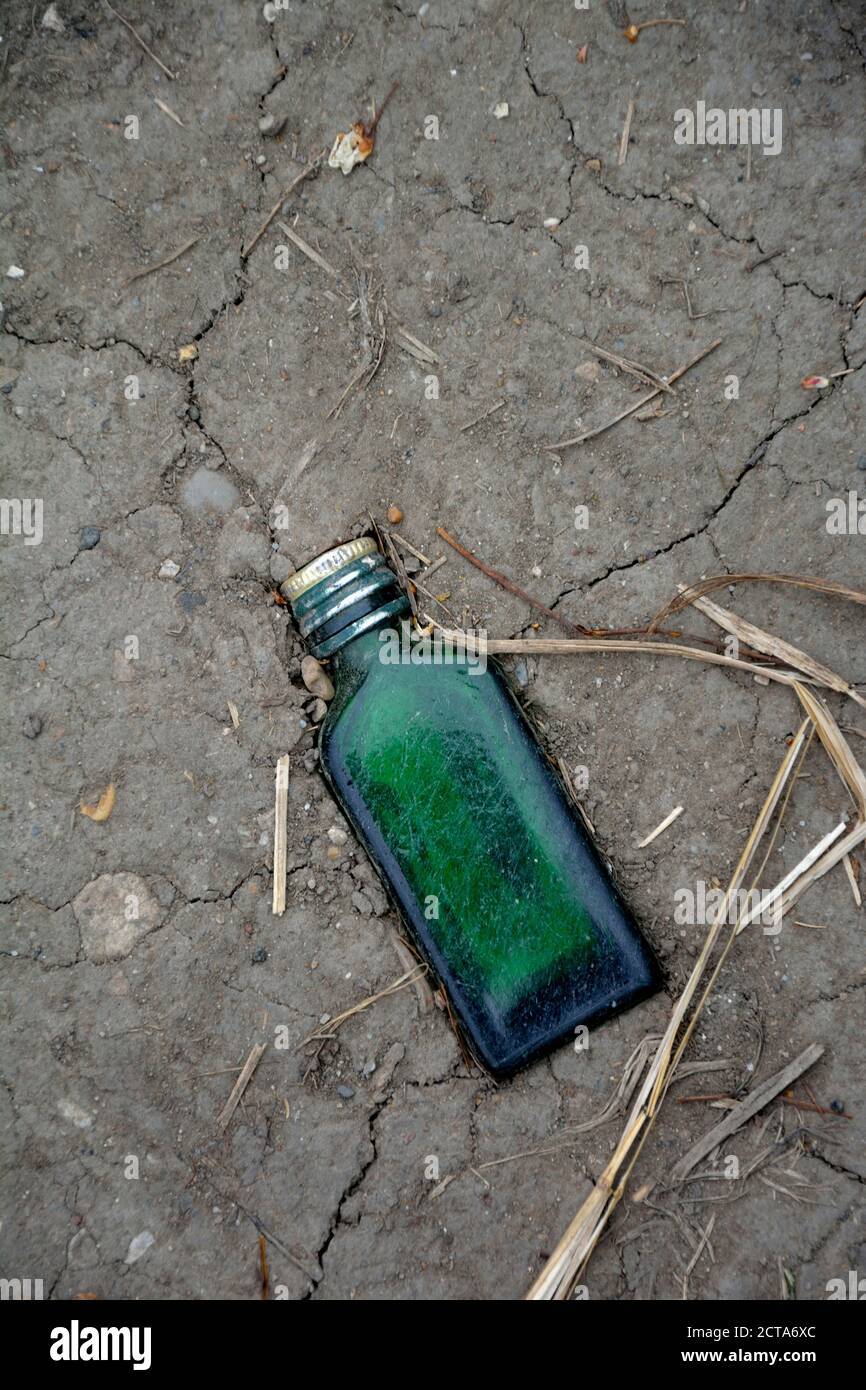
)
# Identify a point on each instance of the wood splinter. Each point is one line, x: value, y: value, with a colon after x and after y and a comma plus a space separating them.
x: 281, y: 808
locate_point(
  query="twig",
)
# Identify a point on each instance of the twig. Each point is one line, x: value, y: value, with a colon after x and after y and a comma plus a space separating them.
x: 765, y: 642
x: 719, y: 581
x: 308, y: 250
x: 761, y: 1096
x: 642, y: 373
x: 240, y: 1086
x: 370, y: 129
x: 849, y: 869
x: 683, y: 284
x: 486, y: 416
x: 280, y: 844
x: 506, y: 583
x: 558, y: 646
x: 305, y: 173
x: 149, y: 270
x: 704, y: 1240
x: 414, y: 346
x: 139, y: 40
x: 333, y: 1024
x: 163, y: 106
x: 409, y: 961
x: 623, y: 142
x: 638, y: 405
x: 668, y: 820
x: 413, y: 550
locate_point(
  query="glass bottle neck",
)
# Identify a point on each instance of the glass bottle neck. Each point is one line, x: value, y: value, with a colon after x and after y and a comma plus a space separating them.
x: 357, y: 598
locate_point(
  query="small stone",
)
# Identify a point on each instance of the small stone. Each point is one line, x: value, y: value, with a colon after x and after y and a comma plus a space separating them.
x: 15, y: 273
x: 259, y: 955
x: 362, y: 903
x: 838, y: 1107
x: 500, y: 110
x: 169, y: 570
x: 32, y: 726
x: 138, y: 1246
x: 51, y: 20
x: 90, y: 537
x: 317, y: 711
x: 394, y: 515
x: 271, y: 125
x: 337, y: 836
x: 194, y: 413
x: 861, y: 462
x: 368, y: 1068
x: 345, y: 1092
x: 317, y: 681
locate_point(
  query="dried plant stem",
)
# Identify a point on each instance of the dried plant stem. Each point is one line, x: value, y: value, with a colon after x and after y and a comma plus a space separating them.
x: 636, y: 405
x: 240, y: 1086
x: 755, y: 1101
x: 278, y: 206
x: 720, y: 581
x: 563, y: 1268
x: 765, y: 642
x: 554, y: 646
x: 281, y: 801
x: 139, y: 40
x: 175, y: 256
x: 506, y: 583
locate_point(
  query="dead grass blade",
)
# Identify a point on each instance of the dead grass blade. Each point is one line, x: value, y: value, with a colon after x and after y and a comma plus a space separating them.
x: 574, y: 1249
x: 553, y: 646
x: 754, y: 1102
x: 719, y: 581
x: 762, y: 641
x: 333, y: 1024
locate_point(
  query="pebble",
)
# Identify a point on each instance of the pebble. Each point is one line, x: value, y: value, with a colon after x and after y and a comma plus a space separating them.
x: 138, y: 1246
x: 259, y: 955
x: 317, y: 680
x: 169, y: 570
x: 271, y: 125
x: 337, y: 836
x: 194, y: 413
x: 32, y: 726
x: 861, y: 462
x: 395, y: 516
x: 90, y: 537
x: 345, y: 1092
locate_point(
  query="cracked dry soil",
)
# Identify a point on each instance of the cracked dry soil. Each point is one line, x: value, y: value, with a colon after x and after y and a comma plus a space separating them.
x: 120, y: 1036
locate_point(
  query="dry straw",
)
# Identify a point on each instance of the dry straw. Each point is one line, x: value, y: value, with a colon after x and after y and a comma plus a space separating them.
x: 565, y: 1266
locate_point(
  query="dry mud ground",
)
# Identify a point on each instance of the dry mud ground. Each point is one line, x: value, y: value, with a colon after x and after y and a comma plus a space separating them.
x: 119, y: 1037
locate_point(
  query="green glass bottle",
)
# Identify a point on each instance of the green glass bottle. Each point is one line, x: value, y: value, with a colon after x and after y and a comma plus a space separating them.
x: 437, y: 769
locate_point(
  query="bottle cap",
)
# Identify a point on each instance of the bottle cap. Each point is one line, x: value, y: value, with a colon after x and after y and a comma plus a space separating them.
x: 325, y: 565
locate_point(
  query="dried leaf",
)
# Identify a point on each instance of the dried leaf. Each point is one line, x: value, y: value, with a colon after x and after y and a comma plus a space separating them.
x: 103, y: 807
x: 187, y: 353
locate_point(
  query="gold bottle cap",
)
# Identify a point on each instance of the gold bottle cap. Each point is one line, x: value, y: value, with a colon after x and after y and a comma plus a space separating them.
x: 325, y: 565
